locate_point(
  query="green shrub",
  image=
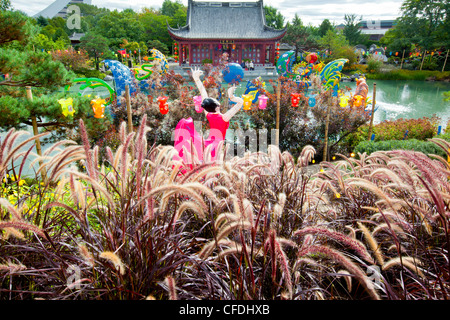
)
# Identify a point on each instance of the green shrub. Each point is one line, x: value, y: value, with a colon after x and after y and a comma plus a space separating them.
x: 412, y: 144
x: 420, y: 129
x: 374, y: 64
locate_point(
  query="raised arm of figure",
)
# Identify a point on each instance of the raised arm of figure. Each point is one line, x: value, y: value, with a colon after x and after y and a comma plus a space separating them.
x: 239, y: 102
x: 196, y: 73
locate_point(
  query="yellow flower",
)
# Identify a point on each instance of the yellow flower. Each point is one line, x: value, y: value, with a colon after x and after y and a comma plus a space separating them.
x: 352, y: 155
x: 321, y: 170
x: 338, y: 195
x: 313, y: 161
x: 22, y: 182
x: 13, y: 178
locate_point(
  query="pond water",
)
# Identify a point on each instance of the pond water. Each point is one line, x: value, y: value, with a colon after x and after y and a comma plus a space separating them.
x: 395, y: 99
x: 408, y: 99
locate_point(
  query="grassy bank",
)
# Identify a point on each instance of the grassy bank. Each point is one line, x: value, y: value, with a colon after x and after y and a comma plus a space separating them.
x: 401, y: 74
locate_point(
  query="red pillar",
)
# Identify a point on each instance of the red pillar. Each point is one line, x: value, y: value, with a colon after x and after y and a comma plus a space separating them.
x: 190, y: 54
x: 263, y: 54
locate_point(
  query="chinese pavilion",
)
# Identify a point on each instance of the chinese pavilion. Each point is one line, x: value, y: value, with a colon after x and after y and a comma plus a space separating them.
x: 238, y: 28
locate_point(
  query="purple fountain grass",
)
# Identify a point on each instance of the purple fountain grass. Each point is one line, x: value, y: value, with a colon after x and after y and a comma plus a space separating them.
x: 344, y: 262
x: 341, y: 238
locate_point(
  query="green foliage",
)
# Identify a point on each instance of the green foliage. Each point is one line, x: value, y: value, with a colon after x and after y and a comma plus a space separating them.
x: 28, y: 68
x: 324, y: 27
x: 423, y: 25
x: 158, y: 45
x: 410, y: 144
x: 298, y: 35
x: 336, y: 43
x: 352, y: 31
x: 420, y: 129
x: 273, y: 17
x: 14, y: 26
x: 402, y: 74
x: 5, y: 4
x: 374, y: 64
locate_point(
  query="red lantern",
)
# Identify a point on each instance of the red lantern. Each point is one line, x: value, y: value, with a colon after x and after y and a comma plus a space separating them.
x: 163, y: 105
x: 295, y: 99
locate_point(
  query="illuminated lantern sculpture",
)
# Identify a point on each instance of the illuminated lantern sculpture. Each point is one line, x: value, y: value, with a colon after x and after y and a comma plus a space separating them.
x: 262, y: 101
x: 247, y: 101
x: 358, y: 100
x: 295, y: 99
x: 67, y: 107
x: 311, y: 101
x: 198, y: 104
x: 163, y: 105
x: 98, y: 105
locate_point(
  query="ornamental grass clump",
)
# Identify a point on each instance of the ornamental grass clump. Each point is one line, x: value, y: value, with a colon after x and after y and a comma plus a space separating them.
x: 261, y: 226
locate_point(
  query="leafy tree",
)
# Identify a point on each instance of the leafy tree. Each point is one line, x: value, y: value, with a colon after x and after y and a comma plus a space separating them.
x: 94, y: 44
x: 273, y: 17
x: 425, y: 23
x: 324, y: 27
x: 170, y: 8
x: 337, y: 46
x: 5, y: 5
x: 155, y: 27
x: 298, y: 36
x: 25, y: 67
x: 352, y: 30
x: 158, y: 45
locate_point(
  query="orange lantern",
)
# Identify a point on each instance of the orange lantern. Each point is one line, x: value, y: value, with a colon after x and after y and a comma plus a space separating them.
x: 247, y: 101
x: 98, y: 107
x: 295, y: 99
x: 163, y: 105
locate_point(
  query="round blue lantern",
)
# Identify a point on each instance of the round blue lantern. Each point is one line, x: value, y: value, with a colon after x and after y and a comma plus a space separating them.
x: 233, y: 73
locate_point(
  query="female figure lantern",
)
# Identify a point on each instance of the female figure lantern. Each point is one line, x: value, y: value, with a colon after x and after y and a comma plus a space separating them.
x: 262, y: 101
x: 163, y: 105
x: 295, y: 99
x: 198, y: 104
x: 247, y: 101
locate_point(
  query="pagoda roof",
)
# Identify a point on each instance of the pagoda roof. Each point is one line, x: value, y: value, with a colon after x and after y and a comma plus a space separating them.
x: 226, y: 20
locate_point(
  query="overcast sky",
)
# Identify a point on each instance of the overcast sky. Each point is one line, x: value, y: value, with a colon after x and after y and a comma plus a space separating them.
x: 310, y: 11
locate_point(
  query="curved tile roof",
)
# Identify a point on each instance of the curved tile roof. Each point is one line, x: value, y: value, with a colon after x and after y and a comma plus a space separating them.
x: 226, y: 20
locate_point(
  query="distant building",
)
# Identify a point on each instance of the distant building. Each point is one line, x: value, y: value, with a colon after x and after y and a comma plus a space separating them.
x: 238, y: 28
x: 376, y: 29
x: 59, y: 8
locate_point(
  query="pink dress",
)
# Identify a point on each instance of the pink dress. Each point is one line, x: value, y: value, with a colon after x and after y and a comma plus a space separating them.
x: 188, y: 139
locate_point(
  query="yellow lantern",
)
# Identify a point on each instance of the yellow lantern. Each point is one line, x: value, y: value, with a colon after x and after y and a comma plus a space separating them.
x: 67, y: 107
x: 247, y: 101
